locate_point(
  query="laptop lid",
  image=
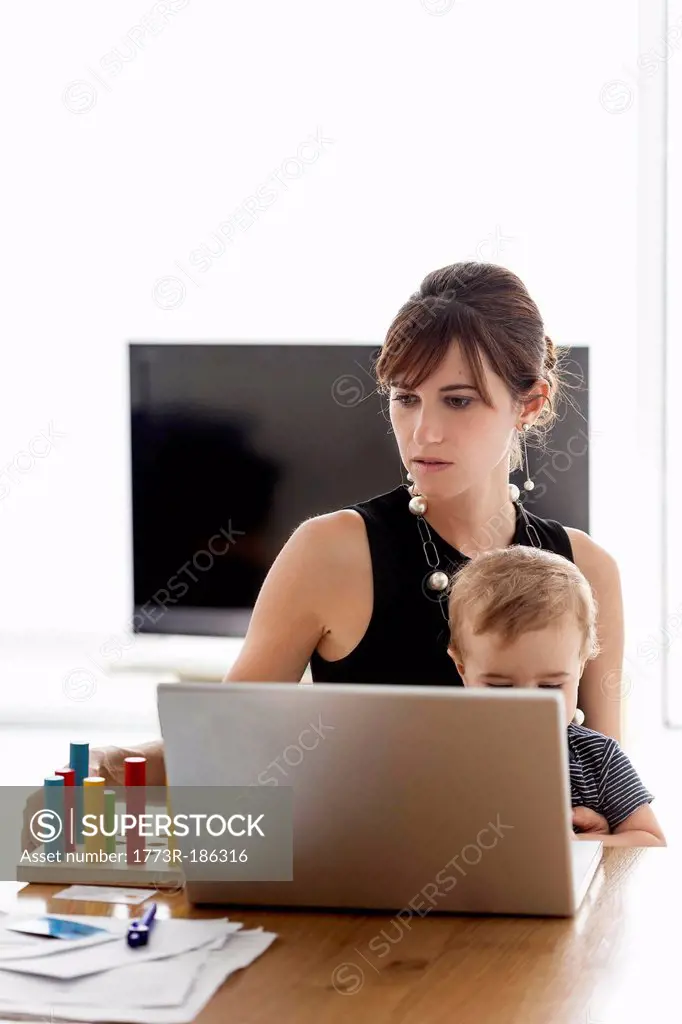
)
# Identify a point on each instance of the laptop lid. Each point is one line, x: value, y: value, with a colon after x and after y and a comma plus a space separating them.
x: 452, y: 798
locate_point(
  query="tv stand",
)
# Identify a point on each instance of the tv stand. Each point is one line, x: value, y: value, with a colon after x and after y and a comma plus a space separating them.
x: 200, y: 658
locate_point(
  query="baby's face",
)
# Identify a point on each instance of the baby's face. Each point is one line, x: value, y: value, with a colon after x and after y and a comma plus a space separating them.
x: 547, y: 658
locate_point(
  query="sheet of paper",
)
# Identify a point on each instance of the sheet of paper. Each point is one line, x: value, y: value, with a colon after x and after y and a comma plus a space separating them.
x: 240, y: 950
x: 168, y: 939
x: 46, y: 949
x: 104, y: 894
x: 161, y: 983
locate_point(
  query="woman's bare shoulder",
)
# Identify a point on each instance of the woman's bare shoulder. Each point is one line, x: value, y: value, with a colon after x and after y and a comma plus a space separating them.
x: 335, y: 536
x: 588, y: 555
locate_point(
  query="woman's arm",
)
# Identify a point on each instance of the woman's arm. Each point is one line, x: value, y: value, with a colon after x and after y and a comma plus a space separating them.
x: 601, y: 685
x: 291, y: 613
x: 288, y: 619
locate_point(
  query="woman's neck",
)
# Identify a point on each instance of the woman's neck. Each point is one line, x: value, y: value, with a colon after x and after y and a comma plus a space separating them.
x: 475, y: 521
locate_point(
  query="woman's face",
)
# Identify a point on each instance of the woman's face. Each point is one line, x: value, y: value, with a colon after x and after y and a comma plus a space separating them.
x: 446, y: 419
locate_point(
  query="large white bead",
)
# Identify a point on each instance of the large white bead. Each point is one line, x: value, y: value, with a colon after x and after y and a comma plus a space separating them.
x: 514, y: 492
x: 529, y: 485
x: 410, y: 478
x: 578, y: 717
x: 418, y: 505
x: 438, y: 580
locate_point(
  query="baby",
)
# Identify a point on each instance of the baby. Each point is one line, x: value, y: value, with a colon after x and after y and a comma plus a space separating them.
x: 521, y: 616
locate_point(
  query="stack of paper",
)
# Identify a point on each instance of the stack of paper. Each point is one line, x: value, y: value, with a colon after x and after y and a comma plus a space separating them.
x: 102, y: 979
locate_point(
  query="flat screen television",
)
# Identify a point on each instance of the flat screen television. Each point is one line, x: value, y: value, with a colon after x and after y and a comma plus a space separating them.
x: 234, y: 444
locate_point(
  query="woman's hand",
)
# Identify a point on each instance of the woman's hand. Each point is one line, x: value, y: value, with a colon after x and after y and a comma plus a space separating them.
x: 108, y: 763
x: 590, y: 822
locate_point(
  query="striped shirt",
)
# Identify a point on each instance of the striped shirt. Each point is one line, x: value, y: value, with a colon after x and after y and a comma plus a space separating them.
x: 602, y: 776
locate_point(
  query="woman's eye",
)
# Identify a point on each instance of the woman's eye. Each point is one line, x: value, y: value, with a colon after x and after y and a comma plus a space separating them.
x: 550, y: 686
x: 454, y: 403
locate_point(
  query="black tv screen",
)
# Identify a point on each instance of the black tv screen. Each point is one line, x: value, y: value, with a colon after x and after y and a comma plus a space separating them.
x: 233, y: 445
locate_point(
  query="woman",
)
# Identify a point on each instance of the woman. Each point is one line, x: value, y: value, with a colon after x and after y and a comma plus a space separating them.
x: 360, y: 593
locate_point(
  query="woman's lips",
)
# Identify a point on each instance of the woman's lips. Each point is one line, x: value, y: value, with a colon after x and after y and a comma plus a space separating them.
x: 431, y: 467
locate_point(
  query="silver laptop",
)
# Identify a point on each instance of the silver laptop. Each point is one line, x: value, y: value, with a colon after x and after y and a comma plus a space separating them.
x: 414, y: 799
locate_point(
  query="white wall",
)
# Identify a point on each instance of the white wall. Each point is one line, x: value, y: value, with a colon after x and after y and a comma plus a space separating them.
x: 669, y: 637
x: 492, y: 131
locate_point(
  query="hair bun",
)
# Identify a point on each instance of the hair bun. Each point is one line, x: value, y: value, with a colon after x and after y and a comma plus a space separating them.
x: 550, y: 354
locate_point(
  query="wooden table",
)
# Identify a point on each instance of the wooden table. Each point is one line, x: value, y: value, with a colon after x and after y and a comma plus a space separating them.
x: 617, y: 961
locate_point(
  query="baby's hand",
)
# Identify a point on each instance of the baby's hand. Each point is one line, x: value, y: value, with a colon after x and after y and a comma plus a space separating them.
x: 587, y: 820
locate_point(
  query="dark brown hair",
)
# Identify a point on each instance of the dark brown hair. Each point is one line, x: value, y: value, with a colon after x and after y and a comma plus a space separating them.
x: 487, y: 309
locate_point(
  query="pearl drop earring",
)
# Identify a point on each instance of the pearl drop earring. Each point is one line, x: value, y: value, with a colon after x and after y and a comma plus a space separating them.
x: 528, y: 484
x: 418, y: 504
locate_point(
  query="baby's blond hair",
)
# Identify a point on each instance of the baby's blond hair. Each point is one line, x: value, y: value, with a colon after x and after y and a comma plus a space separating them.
x: 514, y: 590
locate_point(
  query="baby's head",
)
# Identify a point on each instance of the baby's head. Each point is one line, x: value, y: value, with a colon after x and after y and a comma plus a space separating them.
x: 521, y: 616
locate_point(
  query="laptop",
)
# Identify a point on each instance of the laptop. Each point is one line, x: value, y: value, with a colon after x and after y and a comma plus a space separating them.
x: 405, y: 798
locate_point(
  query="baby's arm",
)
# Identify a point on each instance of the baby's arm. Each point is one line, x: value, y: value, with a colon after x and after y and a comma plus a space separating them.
x: 626, y: 803
x: 641, y: 828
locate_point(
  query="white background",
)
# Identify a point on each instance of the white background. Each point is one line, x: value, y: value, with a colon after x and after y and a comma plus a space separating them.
x: 672, y: 612
x: 505, y: 132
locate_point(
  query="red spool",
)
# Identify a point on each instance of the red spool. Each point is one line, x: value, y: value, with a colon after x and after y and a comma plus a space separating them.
x: 135, y: 776
x: 135, y: 771
x: 69, y: 776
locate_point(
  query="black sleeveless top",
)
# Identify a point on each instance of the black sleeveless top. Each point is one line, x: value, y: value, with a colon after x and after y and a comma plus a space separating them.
x: 407, y: 637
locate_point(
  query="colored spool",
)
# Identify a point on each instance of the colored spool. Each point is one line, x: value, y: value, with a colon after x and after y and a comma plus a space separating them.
x: 135, y: 778
x: 135, y: 771
x: 93, y: 803
x: 109, y: 818
x: 53, y: 794
x: 79, y: 760
x: 69, y: 776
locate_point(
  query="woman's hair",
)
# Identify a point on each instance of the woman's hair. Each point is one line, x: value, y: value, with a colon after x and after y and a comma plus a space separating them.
x: 488, y: 310
x: 514, y: 590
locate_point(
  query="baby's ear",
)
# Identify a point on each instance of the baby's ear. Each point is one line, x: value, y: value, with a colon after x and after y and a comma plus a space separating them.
x: 458, y: 664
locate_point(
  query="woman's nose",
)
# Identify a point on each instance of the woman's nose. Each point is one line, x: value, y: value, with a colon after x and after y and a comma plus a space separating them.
x: 428, y: 428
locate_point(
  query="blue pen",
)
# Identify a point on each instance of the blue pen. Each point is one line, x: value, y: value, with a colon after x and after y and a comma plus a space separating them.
x: 138, y: 932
